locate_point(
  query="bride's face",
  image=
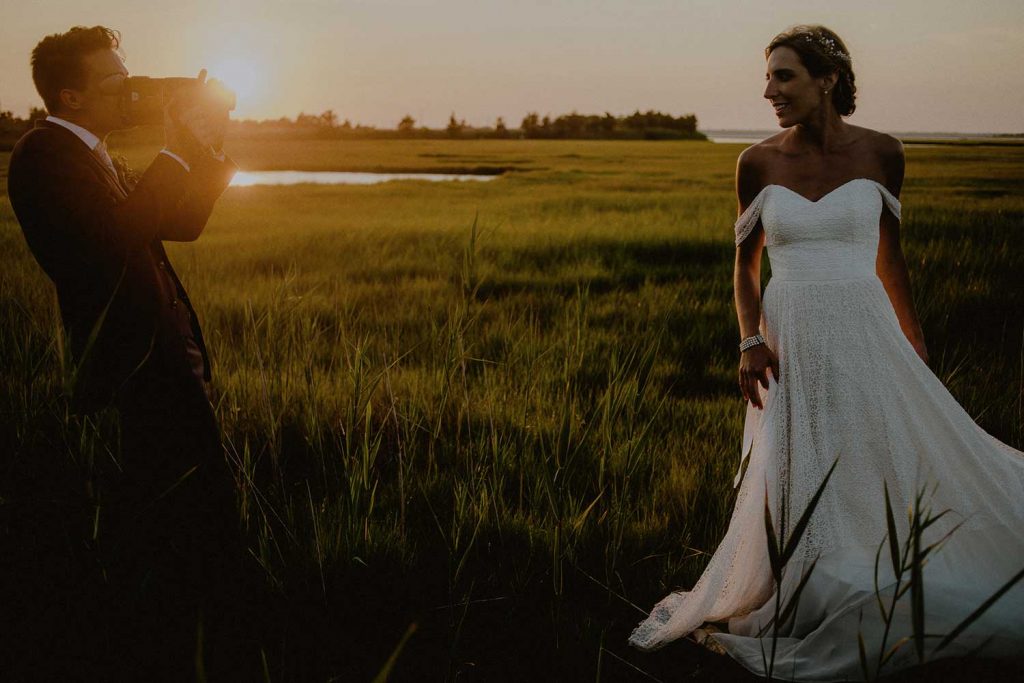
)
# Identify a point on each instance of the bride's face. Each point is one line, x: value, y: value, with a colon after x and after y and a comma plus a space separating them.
x: 793, y: 92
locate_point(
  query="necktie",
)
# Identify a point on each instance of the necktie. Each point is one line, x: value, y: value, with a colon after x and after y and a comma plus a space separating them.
x: 101, y: 151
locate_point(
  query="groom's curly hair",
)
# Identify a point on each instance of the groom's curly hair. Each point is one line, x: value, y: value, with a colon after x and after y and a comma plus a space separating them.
x: 822, y: 52
x: 57, y: 60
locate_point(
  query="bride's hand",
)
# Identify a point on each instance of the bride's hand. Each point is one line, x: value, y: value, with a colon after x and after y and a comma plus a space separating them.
x: 754, y: 365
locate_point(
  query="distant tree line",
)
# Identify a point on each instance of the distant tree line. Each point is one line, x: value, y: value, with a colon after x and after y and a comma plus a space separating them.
x: 12, y: 127
x: 650, y: 125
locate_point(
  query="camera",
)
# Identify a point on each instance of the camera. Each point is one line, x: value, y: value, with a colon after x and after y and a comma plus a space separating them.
x: 143, y: 98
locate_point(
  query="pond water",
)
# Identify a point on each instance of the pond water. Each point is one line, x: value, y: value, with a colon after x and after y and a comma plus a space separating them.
x: 247, y: 178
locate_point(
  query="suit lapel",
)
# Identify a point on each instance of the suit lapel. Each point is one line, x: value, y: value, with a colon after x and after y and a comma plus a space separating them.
x: 94, y: 158
x: 110, y: 173
x: 197, y: 331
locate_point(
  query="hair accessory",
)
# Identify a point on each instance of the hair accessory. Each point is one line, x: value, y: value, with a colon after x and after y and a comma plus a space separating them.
x: 828, y: 45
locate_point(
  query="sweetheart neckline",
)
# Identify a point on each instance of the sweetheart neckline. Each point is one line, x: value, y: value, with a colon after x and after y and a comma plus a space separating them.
x: 824, y: 196
x: 751, y: 215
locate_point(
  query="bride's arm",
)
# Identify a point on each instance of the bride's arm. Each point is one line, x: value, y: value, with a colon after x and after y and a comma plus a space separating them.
x: 755, y: 361
x: 892, y: 271
x: 746, y: 281
x: 891, y: 266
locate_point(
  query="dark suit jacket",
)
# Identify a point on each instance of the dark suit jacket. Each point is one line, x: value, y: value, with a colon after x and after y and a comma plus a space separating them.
x: 99, y: 238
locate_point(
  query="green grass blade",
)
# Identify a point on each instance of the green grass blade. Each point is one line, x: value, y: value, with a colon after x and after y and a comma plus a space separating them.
x: 981, y: 610
x: 862, y: 652
x: 805, y: 518
x: 582, y: 517
x: 94, y: 333
x: 878, y: 590
x: 894, y: 544
x: 932, y: 519
x: 895, y: 647
x: 917, y: 585
x: 385, y: 671
x: 794, y: 599
x: 773, y: 543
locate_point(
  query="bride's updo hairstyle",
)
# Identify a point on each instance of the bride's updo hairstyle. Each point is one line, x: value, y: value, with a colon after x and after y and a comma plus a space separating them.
x: 821, y: 52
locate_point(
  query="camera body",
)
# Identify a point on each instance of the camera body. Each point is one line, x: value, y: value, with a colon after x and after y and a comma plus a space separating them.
x: 144, y: 98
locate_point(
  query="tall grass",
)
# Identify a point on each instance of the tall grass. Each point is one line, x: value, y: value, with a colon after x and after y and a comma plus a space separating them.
x: 505, y: 412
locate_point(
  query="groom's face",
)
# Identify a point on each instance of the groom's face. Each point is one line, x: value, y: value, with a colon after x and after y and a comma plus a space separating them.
x: 98, y: 106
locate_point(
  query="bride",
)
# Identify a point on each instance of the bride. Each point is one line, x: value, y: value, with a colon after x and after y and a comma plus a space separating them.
x: 834, y: 367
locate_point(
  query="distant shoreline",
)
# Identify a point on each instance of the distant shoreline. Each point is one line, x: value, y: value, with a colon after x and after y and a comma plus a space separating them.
x: 750, y: 137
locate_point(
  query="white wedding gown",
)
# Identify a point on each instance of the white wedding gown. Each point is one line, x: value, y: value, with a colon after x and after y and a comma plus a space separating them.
x: 850, y: 384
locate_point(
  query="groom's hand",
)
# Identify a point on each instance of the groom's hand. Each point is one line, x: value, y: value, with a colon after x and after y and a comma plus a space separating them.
x: 192, y: 130
x: 218, y: 118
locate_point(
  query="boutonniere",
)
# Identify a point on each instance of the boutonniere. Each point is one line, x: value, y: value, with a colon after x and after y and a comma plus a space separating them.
x: 124, y: 171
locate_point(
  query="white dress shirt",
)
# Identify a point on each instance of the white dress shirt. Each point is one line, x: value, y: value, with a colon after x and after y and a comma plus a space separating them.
x: 93, y: 142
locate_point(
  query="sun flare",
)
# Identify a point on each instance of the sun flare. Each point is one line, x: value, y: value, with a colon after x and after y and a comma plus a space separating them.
x: 245, y: 76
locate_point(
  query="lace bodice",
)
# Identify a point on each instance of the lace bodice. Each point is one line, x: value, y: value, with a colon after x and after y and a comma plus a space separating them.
x: 835, y: 237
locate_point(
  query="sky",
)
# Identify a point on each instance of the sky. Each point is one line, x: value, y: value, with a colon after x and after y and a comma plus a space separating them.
x: 920, y: 65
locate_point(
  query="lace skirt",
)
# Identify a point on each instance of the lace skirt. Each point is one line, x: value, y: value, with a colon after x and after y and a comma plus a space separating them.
x: 851, y: 385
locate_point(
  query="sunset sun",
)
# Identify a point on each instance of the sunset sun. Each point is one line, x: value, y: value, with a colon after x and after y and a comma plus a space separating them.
x: 242, y: 74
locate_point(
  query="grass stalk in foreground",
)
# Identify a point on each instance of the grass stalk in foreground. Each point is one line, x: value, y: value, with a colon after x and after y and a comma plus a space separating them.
x: 912, y: 560
x: 781, y: 549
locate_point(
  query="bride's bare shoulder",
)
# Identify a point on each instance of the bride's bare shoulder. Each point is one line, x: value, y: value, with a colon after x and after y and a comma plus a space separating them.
x: 758, y: 158
x: 889, y: 155
x: 881, y: 145
x: 753, y: 167
x: 766, y: 147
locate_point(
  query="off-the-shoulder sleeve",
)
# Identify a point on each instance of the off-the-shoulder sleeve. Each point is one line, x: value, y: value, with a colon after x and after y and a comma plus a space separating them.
x: 889, y: 199
x: 748, y: 219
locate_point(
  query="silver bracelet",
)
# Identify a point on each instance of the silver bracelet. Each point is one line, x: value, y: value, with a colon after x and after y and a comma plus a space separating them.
x: 751, y: 341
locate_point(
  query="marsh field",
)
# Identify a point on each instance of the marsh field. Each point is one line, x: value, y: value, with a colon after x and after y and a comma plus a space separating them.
x: 500, y: 418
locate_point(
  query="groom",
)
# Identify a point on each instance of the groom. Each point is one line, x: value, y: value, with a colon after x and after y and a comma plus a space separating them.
x: 133, y: 335
x: 98, y: 234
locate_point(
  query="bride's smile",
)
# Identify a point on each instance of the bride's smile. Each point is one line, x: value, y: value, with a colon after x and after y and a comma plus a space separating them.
x: 794, y: 93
